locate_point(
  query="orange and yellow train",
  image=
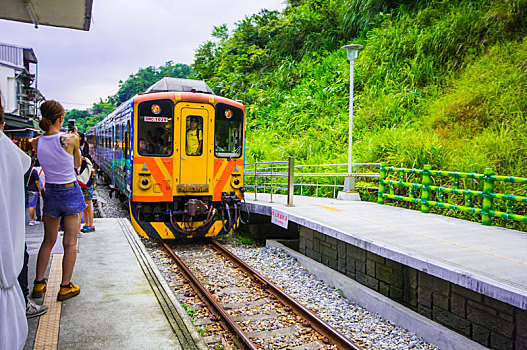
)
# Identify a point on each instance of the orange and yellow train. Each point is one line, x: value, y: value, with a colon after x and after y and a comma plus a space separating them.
x: 176, y: 154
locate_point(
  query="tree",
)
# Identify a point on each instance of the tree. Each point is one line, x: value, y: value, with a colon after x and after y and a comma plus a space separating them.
x: 135, y: 84
x: 145, y: 77
x: 81, y: 118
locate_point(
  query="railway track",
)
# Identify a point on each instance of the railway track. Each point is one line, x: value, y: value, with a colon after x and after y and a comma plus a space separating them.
x: 257, y: 314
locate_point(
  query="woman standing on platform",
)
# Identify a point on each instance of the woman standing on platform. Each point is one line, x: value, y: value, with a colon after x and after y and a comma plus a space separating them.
x: 58, y: 154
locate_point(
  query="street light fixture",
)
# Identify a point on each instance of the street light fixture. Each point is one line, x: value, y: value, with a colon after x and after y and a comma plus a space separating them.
x: 349, y: 192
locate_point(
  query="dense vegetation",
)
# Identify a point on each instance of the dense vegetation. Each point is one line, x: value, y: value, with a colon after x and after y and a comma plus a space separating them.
x: 136, y: 83
x: 438, y: 82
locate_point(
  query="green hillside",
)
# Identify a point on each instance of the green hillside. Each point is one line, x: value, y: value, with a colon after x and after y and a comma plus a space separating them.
x: 438, y: 82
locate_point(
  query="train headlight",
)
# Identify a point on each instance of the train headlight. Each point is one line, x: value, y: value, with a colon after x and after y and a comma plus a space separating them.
x: 156, y: 109
x: 144, y: 183
x: 228, y: 113
x: 236, y: 180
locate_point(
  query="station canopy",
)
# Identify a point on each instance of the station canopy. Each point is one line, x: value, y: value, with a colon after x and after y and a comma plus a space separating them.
x: 179, y: 85
x: 75, y: 14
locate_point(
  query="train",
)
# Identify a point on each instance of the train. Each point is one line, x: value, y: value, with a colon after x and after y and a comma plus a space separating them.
x: 176, y: 154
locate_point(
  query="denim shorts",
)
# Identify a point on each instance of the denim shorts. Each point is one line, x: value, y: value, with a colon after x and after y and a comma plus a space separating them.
x: 31, y: 199
x: 63, y: 200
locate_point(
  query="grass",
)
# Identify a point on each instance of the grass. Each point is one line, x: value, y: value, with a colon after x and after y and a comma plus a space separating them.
x: 190, y: 311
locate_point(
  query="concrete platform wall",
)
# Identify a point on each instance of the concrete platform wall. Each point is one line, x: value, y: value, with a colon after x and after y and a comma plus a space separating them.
x: 488, y: 321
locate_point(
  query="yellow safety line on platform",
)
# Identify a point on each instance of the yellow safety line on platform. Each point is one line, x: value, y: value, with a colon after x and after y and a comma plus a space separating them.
x: 432, y: 238
x: 48, y: 327
x: 330, y: 208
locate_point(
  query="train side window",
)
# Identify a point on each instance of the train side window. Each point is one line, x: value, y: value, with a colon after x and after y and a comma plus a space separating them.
x: 194, y: 136
x: 119, y: 137
x: 228, y: 131
x: 127, y: 140
x: 155, y: 128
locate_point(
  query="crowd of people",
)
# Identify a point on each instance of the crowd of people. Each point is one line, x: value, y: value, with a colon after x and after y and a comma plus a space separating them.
x: 61, y: 176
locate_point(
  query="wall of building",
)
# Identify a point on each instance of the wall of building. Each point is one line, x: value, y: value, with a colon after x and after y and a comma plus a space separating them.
x: 487, y: 321
x: 8, y: 88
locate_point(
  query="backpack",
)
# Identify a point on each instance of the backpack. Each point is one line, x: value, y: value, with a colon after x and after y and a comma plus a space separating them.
x: 87, y: 174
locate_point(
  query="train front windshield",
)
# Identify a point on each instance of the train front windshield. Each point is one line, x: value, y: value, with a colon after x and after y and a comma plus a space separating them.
x: 228, y: 131
x: 155, y: 128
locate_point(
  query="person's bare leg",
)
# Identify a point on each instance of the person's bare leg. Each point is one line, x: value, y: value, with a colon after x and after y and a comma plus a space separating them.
x: 31, y: 214
x: 51, y: 229
x: 89, y: 216
x: 85, y: 214
x: 69, y: 242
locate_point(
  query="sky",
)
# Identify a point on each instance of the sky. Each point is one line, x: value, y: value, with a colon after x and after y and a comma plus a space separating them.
x: 78, y: 68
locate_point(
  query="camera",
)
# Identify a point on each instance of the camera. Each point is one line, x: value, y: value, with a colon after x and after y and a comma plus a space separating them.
x: 71, y: 125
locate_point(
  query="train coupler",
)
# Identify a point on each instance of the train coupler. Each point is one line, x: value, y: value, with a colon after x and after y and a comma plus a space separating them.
x: 196, y: 207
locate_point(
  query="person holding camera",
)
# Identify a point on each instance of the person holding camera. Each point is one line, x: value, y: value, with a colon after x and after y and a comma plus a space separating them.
x: 59, y: 155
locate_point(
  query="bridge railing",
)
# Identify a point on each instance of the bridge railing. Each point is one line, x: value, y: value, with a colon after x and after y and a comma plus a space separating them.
x: 320, y: 180
x: 484, y: 195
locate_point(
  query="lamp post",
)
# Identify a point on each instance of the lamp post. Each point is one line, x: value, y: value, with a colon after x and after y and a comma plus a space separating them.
x: 349, y: 183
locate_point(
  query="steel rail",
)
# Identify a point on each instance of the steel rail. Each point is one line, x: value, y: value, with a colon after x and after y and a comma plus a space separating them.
x: 225, y: 319
x: 330, y: 334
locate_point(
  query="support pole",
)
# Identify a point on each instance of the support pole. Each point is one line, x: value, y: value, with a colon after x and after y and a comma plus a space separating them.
x: 290, y: 181
x: 349, y: 192
x: 382, y: 186
x: 488, y: 188
x: 425, y: 189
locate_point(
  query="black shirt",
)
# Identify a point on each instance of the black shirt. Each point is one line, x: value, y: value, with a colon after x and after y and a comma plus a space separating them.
x: 31, y: 182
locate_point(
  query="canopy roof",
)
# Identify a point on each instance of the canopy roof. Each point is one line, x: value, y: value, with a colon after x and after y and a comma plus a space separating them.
x: 75, y: 14
x: 180, y: 85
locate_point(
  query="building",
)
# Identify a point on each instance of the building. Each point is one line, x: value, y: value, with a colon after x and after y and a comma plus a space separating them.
x: 18, y: 88
x: 18, y: 79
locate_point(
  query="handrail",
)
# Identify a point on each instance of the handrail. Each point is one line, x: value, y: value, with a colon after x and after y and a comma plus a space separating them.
x: 286, y: 176
x: 424, y: 198
x: 435, y: 188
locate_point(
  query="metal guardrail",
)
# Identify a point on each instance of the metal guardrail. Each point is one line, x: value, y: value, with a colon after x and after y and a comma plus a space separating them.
x: 486, y: 196
x: 423, y: 192
x: 284, y: 176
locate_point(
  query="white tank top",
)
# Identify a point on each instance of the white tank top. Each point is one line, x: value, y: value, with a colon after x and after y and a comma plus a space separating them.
x: 56, y: 162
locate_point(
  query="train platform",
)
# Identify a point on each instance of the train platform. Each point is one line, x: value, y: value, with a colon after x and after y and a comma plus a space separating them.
x: 469, y: 277
x: 124, y: 302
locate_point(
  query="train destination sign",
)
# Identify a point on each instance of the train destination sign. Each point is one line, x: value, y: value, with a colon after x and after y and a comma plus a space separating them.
x: 279, y: 218
x: 156, y: 119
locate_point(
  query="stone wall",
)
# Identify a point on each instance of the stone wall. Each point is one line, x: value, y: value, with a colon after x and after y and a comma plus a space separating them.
x: 487, y: 321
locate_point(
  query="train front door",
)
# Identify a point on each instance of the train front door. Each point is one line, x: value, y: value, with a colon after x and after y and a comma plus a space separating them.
x: 196, y: 121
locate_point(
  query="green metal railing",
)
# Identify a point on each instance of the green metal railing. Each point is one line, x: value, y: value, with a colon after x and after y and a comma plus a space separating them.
x: 324, y: 180
x: 423, y: 192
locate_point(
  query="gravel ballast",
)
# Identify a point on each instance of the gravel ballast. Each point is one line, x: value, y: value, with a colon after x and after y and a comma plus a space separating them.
x: 347, y: 317
x: 371, y: 330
